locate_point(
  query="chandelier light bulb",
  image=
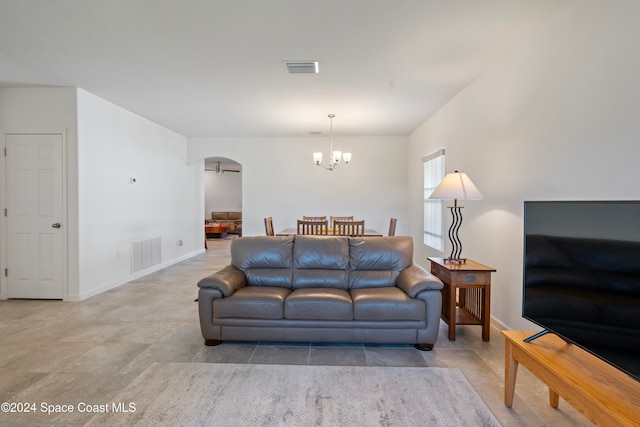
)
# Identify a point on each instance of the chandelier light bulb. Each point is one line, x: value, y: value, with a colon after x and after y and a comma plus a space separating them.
x: 336, y: 156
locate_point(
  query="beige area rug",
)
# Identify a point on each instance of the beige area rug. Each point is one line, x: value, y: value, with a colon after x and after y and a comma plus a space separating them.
x: 192, y: 394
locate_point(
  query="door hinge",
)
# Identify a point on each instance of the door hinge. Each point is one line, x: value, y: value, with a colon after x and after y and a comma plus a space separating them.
x: 5, y: 151
x: 6, y: 272
x: 5, y: 211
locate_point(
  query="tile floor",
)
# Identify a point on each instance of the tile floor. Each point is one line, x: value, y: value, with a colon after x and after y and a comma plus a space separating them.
x: 65, y: 352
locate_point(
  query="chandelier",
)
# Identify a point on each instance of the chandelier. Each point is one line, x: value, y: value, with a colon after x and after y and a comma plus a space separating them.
x: 336, y: 156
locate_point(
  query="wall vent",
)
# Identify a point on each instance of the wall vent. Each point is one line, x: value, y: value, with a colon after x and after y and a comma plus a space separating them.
x: 301, y: 67
x: 145, y: 253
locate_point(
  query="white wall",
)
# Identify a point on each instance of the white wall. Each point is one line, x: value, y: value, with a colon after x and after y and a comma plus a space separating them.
x: 166, y: 201
x: 279, y: 179
x: 223, y: 192
x: 556, y: 120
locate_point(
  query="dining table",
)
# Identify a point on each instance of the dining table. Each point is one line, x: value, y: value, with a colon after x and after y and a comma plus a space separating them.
x: 368, y: 232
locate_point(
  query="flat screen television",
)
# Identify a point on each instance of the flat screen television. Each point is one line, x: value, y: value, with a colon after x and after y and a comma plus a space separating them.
x: 582, y: 276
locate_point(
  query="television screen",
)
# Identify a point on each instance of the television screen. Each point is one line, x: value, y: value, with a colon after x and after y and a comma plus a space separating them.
x: 582, y: 275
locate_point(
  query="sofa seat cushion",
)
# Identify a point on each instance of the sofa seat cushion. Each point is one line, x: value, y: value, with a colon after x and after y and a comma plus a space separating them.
x: 389, y: 303
x: 256, y: 302
x: 318, y: 304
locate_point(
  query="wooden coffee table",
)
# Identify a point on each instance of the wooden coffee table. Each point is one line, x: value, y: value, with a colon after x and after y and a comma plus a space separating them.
x: 215, y: 230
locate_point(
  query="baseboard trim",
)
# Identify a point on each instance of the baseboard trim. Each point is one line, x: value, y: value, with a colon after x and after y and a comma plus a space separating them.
x: 498, y: 324
x: 136, y: 275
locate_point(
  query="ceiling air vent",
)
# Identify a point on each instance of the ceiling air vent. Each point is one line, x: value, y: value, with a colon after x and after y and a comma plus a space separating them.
x: 301, y: 67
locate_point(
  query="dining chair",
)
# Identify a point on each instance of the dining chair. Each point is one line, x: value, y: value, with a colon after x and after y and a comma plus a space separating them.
x: 268, y: 226
x: 340, y: 218
x: 314, y: 218
x: 313, y: 227
x: 348, y: 228
x: 392, y: 226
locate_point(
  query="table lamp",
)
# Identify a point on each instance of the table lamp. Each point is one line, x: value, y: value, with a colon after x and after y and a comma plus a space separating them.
x: 456, y: 185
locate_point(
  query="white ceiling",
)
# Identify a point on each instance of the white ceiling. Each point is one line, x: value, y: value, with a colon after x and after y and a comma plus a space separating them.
x: 214, y: 68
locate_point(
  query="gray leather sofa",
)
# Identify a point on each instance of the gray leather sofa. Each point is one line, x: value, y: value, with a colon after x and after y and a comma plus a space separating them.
x: 321, y: 289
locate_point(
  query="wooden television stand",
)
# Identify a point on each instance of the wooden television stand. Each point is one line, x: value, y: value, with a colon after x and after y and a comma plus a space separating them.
x: 604, y: 394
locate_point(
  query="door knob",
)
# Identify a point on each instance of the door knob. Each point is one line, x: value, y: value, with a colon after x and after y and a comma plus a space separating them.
x: 56, y: 225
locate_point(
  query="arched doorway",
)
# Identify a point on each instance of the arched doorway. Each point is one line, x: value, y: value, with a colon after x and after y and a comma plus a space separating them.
x: 223, y: 196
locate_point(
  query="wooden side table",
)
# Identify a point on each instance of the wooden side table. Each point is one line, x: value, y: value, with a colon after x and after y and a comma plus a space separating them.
x: 466, y: 295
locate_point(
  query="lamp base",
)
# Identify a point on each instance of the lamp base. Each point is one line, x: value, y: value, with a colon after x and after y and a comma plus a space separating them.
x: 456, y: 244
x: 455, y: 260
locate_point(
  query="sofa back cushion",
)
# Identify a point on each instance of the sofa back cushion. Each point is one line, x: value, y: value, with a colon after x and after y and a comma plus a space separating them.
x: 234, y: 216
x: 320, y: 262
x: 376, y: 262
x: 264, y: 260
x: 219, y: 216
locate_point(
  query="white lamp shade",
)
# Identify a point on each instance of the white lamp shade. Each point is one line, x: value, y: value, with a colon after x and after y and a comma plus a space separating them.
x: 456, y: 185
x: 346, y: 157
x: 336, y: 156
x: 317, y: 157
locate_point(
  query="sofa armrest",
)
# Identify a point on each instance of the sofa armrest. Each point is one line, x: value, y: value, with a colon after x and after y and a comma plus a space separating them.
x: 227, y: 281
x: 415, y: 279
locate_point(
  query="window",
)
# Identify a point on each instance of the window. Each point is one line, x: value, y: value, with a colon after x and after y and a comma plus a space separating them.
x: 433, y: 166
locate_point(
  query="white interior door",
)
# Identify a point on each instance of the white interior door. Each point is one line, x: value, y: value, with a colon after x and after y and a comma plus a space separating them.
x: 34, y: 216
